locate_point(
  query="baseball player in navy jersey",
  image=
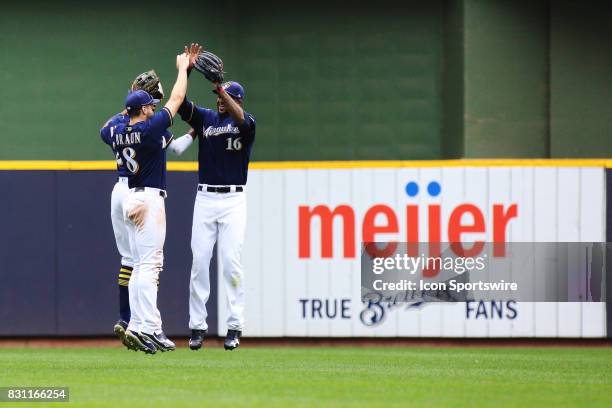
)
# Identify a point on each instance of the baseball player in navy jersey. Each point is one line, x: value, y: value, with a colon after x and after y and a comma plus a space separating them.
x: 119, y: 193
x: 142, y: 143
x: 225, y: 138
x: 146, y: 81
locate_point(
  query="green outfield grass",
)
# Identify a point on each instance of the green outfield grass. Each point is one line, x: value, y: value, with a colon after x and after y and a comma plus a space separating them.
x: 287, y: 377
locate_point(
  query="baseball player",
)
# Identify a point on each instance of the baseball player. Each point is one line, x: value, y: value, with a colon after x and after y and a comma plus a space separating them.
x: 148, y: 81
x: 142, y: 143
x: 226, y: 137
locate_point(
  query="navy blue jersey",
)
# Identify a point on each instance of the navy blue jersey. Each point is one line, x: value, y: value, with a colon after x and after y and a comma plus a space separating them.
x: 107, y: 132
x: 142, y: 148
x: 224, y: 146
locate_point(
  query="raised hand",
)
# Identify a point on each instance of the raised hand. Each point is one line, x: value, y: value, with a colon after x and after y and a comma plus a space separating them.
x: 182, y: 62
x: 193, y: 51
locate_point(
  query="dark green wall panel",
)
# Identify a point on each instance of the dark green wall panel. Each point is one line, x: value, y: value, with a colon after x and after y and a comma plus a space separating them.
x: 66, y: 67
x: 581, y: 79
x: 453, y: 83
x: 506, y: 78
x: 325, y: 81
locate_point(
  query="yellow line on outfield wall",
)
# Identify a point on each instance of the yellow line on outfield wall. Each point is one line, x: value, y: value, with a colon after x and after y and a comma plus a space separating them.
x: 281, y: 165
x: 432, y: 163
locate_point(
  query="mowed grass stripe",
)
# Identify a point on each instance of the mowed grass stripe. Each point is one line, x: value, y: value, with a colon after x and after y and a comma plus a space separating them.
x: 344, y: 376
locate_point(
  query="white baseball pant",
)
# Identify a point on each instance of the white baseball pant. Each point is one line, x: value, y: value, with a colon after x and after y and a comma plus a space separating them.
x: 145, y: 217
x: 220, y: 218
x: 120, y: 192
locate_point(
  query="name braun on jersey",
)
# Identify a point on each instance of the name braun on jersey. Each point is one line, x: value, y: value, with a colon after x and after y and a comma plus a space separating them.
x: 216, y: 131
x: 127, y: 139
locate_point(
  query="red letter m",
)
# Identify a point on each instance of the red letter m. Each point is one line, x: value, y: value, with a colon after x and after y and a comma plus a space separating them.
x: 327, y: 222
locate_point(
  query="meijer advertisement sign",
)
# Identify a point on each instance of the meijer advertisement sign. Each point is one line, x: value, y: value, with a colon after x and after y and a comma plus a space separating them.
x: 306, y: 228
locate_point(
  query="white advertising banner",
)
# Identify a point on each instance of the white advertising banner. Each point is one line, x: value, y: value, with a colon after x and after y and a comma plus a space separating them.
x: 305, y: 227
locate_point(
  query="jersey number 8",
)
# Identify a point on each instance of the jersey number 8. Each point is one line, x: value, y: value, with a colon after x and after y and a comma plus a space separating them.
x: 129, y: 154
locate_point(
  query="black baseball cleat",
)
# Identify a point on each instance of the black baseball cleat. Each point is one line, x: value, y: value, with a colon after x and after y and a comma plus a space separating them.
x: 232, y: 340
x: 196, y: 339
x: 119, y: 329
x: 161, y: 342
x: 138, y: 342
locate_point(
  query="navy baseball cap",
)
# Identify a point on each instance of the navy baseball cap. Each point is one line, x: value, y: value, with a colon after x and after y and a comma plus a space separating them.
x: 233, y: 88
x: 137, y: 99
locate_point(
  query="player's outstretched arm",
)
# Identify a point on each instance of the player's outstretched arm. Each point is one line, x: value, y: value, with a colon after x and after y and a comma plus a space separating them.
x: 187, y: 110
x: 231, y: 105
x: 180, y: 86
x: 178, y: 146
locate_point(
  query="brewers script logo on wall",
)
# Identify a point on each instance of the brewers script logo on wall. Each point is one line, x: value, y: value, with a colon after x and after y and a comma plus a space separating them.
x: 380, y: 218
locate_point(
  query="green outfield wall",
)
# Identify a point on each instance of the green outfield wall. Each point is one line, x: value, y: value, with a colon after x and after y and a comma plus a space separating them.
x: 326, y: 80
x: 537, y: 79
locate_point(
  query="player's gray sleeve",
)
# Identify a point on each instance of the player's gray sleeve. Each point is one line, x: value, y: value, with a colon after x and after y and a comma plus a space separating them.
x: 178, y: 146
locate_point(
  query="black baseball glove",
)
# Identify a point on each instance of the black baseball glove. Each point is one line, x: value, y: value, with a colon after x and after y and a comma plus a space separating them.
x: 149, y: 81
x: 210, y: 65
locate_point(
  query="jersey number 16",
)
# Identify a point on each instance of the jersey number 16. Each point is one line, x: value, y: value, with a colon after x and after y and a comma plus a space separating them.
x: 233, y: 144
x: 129, y: 154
